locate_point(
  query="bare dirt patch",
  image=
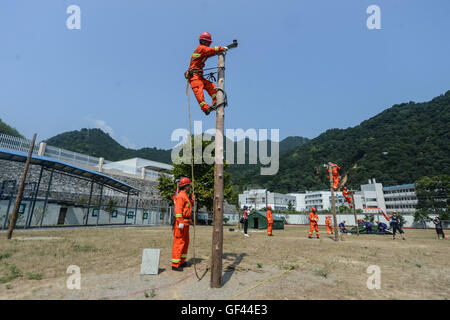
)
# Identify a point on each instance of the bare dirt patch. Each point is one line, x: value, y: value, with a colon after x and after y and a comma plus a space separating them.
x: 286, y: 266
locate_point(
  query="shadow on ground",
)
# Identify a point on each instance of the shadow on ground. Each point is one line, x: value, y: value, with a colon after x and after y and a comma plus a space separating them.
x: 232, y: 267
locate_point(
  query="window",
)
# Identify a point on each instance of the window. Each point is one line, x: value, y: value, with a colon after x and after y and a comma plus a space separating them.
x: 130, y: 214
x: 95, y: 212
x: 114, y: 214
x: 145, y: 215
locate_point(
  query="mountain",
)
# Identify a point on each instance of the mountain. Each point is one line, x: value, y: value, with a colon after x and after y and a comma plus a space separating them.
x: 397, y: 146
x: 6, y: 129
x: 97, y: 143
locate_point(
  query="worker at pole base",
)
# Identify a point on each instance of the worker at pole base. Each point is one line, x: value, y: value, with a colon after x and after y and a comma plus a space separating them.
x: 183, y: 218
x: 329, y: 225
x: 313, y: 223
x: 195, y: 72
x: 345, y: 193
x: 269, y: 221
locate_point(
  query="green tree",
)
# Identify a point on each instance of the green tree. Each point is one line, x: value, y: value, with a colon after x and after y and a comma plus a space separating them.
x: 204, y: 178
x: 433, y: 194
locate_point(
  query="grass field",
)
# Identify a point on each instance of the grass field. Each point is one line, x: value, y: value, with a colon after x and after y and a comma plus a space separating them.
x: 287, y: 266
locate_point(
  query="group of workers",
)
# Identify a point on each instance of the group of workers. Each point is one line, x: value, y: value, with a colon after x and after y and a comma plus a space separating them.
x: 184, y: 201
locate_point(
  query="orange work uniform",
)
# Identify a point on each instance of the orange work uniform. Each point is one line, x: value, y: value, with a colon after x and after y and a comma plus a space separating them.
x: 183, y: 214
x: 335, y: 176
x: 269, y: 223
x: 313, y: 223
x: 329, y: 225
x: 197, y: 82
x: 347, y: 197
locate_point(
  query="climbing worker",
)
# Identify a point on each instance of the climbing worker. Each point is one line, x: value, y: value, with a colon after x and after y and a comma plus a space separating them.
x: 329, y: 225
x: 395, y: 224
x: 183, y: 218
x: 382, y: 227
x: 342, y: 227
x: 334, y: 174
x: 195, y: 72
x: 313, y: 223
x: 269, y: 221
x: 345, y: 193
x: 245, y: 221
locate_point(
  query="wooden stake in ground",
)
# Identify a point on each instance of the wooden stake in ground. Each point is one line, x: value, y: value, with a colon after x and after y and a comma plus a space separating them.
x: 12, y: 222
x: 333, y: 205
x: 354, y: 211
x: 217, y: 237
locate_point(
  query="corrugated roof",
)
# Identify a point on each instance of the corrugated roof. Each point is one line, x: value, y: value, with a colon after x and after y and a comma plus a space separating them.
x: 65, y: 167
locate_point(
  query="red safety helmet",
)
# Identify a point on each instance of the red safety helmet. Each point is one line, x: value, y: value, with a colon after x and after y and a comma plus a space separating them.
x: 184, y: 181
x: 269, y: 207
x: 206, y: 36
x: 313, y: 209
x: 345, y: 188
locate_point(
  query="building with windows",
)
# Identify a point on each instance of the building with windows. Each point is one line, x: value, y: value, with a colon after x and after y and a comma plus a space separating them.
x: 402, y: 198
x: 261, y: 198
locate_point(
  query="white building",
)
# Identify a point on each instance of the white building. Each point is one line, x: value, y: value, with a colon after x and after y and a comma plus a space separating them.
x: 373, y: 196
x: 402, y: 198
x: 261, y: 198
x: 300, y: 204
x: 140, y: 167
x: 319, y: 199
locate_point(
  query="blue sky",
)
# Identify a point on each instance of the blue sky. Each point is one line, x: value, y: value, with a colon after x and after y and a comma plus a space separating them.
x: 301, y: 66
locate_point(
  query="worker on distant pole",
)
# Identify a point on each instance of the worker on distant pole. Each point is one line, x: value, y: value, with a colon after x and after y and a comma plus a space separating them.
x: 183, y: 218
x: 347, y: 197
x: 335, y: 175
x: 329, y: 225
x: 195, y: 72
x: 313, y: 223
x: 269, y: 221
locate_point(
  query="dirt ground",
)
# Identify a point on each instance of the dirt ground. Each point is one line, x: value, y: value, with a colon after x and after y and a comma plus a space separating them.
x: 287, y: 266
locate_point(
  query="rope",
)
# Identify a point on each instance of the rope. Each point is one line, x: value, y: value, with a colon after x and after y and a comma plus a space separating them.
x: 191, y: 138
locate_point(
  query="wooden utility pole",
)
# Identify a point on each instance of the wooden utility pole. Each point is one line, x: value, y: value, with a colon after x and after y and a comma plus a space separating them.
x: 217, y: 237
x: 354, y: 211
x: 333, y: 205
x: 12, y: 222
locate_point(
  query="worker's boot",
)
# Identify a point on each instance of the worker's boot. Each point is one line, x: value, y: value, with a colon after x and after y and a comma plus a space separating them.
x: 310, y: 237
x: 246, y: 235
x: 180, y: 268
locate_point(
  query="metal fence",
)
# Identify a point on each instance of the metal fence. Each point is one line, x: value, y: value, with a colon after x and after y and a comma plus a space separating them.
x: 66, y: 155
x: 17, y: 144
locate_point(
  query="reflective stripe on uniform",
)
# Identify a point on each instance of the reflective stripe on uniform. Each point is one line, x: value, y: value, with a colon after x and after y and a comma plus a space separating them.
x: 184, y: 255
x: 216, y: 48
x: 176, y: 260
x: 214, y: 95
x: 202, y: 103
x: 178, y: 215
x: 196, y: 55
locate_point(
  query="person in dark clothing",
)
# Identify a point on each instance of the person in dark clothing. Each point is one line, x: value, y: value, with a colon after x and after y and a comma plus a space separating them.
x: 395, y: 224
x: 439, y: 230
x: 342, y: 227
x: 382, y: 227
x: 245, y: 221
x: 369, y: 227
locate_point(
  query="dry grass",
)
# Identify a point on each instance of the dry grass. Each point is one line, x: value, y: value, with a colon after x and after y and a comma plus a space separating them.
x: 417, y: 268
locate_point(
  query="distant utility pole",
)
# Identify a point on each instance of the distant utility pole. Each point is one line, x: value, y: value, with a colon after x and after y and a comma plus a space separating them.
x: 217, y: 237
x: 12, y: 222
x: 354, y: 210
x: 333, y: 204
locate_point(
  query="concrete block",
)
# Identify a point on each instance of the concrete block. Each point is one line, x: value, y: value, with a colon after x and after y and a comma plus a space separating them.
x: 150, y: 261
